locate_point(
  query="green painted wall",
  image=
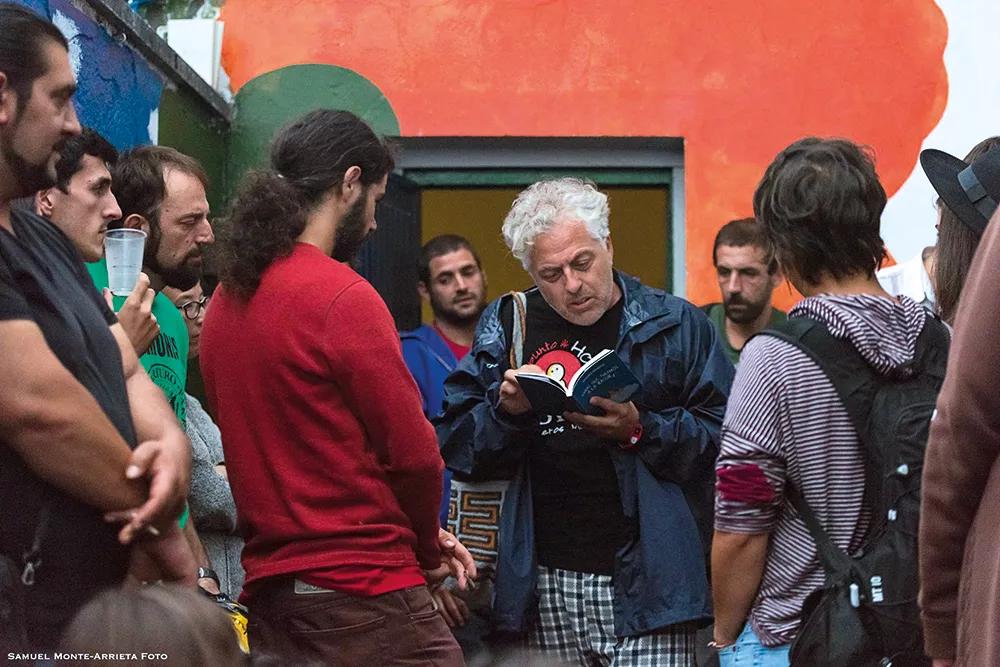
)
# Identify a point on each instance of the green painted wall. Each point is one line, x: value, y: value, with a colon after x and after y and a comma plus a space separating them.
x: 186, y: 124
x: 271, y: 100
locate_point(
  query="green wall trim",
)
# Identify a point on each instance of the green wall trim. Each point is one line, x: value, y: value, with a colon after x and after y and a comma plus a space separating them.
x: 452, y: 178
x: 187, y: 124
x: 269, y: 101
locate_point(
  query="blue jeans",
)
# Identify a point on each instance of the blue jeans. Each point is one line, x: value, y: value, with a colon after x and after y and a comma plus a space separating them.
x: 749, y: 652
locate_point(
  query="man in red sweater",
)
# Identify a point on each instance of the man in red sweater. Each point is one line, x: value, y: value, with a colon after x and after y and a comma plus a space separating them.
x: 335, y: 471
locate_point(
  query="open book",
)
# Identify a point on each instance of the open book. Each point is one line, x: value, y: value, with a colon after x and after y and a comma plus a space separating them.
x: 604, y: 375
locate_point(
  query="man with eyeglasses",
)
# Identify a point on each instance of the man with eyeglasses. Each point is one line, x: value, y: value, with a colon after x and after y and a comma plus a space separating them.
x: 211, y: 499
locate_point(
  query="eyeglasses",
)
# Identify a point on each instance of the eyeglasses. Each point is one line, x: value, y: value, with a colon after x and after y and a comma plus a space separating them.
x: 192, y: 309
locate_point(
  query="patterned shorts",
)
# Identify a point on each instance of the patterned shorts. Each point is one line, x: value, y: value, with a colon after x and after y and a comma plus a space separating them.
x: 576, y: 625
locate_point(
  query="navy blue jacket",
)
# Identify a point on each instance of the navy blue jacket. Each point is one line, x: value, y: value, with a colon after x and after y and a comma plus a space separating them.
x: 430, y: 360
x: 665, y: 485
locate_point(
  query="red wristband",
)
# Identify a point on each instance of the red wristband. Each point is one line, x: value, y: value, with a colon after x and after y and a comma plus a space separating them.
x: 633, y: 439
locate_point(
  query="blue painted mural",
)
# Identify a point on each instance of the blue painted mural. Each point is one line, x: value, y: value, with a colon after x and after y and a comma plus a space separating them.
x: 119, y: 92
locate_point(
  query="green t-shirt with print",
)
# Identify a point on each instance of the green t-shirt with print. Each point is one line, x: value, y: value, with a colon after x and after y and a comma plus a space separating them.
x: 717, y: 313
x: 166, y: 360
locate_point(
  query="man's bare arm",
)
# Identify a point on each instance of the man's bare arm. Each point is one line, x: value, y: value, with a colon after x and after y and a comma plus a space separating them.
x: 737, y: 568
x: 164, y: 453
x: 57, y: 427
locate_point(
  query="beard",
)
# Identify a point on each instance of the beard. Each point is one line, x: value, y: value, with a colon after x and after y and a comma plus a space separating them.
x: 30, y: 177
x: 351, y: 232
x: 451, y: 315
x: 741, y: 311
x: 180, y: 277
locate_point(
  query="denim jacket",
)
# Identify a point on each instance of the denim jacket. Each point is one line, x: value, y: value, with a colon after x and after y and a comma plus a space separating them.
x: 666, y: 484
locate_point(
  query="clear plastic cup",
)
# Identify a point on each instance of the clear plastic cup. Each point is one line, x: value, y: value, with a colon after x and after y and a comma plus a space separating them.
x: 123, y: 250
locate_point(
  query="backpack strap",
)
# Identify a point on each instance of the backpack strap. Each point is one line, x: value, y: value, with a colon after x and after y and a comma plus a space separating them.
x: 856, y: 383
x: 518, y: 328
x: 851, y: 376
x: 832, y: 557
x: 932, y: 349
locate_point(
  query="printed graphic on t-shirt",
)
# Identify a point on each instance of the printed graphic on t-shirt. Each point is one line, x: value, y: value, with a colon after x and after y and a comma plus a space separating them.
x: 560, y: 360
x: 166, y: 359
x: 578, y: 516
x: 167, y: 379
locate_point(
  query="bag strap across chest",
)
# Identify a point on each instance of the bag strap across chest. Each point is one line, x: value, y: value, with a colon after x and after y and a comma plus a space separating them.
x: 857, y: 385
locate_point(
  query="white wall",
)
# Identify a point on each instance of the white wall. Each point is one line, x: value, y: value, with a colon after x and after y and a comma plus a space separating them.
x: 972, y: 113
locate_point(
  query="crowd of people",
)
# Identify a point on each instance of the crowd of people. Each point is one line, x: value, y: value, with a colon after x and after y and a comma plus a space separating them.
x: 774, y: 489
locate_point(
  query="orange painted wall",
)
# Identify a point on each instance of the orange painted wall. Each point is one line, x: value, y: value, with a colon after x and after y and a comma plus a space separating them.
x: 738, y: 79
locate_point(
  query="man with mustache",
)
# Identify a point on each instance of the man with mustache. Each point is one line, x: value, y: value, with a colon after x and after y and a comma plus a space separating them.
x: 748, y: 274
x: 83, y: 431
x: 162, y: 192
x: 601, y: 558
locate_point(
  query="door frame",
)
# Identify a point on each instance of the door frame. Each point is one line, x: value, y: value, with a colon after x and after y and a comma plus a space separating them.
x: 502, y: 161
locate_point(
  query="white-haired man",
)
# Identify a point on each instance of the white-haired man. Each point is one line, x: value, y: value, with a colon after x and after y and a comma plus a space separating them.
x: 601, y: 550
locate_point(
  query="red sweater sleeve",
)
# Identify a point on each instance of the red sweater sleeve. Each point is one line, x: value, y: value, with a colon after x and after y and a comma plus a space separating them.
x: 365, y: 358
x: 963, y: 446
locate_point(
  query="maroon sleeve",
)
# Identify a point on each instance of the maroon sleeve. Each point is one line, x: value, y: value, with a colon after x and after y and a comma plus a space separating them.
x: 962, y: 450
x: 389, y: 406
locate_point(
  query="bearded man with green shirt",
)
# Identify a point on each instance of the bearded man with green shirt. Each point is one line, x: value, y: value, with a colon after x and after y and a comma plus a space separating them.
x: 748, y: 274
x: 162, y: 192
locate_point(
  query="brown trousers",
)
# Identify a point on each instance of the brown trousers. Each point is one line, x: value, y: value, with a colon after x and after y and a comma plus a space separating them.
x: 298, y: 623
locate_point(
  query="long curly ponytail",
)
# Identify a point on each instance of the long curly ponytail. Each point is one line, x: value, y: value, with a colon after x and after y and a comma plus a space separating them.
x: 309, y: 157
x: 267, y: 216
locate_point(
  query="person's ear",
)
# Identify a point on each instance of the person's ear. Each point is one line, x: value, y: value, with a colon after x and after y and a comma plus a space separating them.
x: 43, y: 203
x: 351, y: 182
x: 777, y: 277
x: 611, y: 248
x: 8, y: 100
x: 425, y: 294
x: 136, y: 221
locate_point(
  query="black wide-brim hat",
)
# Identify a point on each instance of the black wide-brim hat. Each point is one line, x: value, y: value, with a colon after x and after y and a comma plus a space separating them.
x: 971, y: 191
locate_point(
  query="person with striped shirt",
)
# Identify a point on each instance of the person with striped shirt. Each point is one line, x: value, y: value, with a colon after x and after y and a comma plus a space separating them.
x: 820, y: 202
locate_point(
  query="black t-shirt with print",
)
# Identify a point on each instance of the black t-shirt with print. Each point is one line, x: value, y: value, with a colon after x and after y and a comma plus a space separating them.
x: 579, y: 523
x: 42, y: 279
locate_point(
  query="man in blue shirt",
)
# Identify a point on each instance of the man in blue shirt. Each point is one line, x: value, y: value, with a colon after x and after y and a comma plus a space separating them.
x: 453, y: 282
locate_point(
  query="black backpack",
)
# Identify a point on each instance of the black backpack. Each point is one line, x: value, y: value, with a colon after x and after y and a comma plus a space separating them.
x: 866, y: 613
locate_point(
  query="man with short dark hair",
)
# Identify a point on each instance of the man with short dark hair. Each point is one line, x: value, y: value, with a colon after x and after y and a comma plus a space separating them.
x: 81, y: 425
x: 748, y: 274
x: 453, y: 282
x: 81, y: 204
x: 786, y: 426
x: 162, y: 192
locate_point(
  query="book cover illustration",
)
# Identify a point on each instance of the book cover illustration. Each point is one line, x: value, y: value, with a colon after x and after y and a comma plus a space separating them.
x: 604, y: 375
